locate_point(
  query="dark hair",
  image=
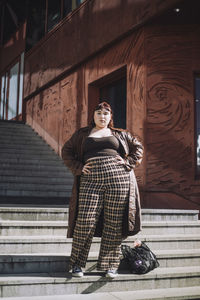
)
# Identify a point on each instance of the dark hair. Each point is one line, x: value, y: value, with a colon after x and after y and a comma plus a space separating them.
x: 103, y: 105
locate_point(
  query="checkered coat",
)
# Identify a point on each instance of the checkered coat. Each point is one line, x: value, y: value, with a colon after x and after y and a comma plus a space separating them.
x: 132, y: 152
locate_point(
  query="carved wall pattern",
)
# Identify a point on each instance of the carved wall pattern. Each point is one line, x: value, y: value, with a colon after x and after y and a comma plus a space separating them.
x: 170, y: 58
x: 159, y: 103
x: 65, y: 104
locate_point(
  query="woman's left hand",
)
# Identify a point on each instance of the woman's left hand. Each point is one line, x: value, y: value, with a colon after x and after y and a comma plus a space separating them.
x: 120, y: 160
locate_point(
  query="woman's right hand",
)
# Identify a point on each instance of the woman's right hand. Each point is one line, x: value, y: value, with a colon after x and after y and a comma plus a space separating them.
x: 87, y: 168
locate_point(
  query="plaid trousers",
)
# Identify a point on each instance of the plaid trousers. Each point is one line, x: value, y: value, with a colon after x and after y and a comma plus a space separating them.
x: 107, y: 188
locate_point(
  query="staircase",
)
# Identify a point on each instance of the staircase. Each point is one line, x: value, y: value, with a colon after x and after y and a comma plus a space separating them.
x: 30, y: 171
x: 34, y: 250
x: 34, y: 256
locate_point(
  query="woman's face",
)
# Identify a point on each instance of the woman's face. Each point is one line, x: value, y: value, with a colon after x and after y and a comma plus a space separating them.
x: 102, y: 118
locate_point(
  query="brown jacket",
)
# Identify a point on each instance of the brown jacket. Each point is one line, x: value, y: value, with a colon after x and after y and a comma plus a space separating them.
x: 132, y: 152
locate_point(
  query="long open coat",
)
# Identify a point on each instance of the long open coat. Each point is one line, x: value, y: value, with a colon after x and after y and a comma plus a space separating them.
x: 132, y: 152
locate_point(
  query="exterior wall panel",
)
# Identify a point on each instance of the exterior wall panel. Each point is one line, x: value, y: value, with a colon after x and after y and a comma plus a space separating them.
x: 83, y: 33
x: 58, y: 111
x: 160, y: 62
x: 172, y: 57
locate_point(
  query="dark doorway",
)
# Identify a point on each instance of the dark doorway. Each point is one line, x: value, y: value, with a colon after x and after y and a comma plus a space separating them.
x: 115, y: 94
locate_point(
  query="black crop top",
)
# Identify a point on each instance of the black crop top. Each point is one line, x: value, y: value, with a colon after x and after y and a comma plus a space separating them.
x: 102, y: 146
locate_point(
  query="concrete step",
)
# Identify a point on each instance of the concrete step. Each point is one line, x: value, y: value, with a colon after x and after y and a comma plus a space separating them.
x: 169, y: 215
x: 53, y: 262
x: 33, y: 213
x: 60, y: 244
x: 15, y: 128
x: 32, y: 200
x: 16, y: 139
x: 25, y: 148
x: 183, y: 293
x: 33, y: 187
x: 37, y: 179
x: 29, y: 172
x: 48, y: 213
x: 63, y: 283
x: 32, y: 228
x: 12, y: 123
x: 18, y: 134
x: 35, y: 193
x: 24, y: 163
x: 21, y: 141
x: 60, y: 227
x: 32, y: 155
x: 39, y: 152
x: 25, y: 144
x: 171, y: 227
x: 36, y: 143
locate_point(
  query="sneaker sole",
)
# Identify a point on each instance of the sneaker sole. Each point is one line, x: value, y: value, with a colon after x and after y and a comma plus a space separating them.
x: 111, y: 276
x: 77, y: 275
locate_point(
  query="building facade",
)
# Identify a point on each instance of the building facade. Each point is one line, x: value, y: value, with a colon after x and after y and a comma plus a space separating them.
x: 143, y: 58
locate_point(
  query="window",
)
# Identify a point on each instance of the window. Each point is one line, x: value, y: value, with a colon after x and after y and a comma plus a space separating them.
x: 2, y: 97
x: 4, y: 88
x: 67, y: 7
x: 54, y: 13
x: 12, y: 91
x: 115, y: 94
x: 43, y: 16
x: 35, y: 23
x: 197, y: 109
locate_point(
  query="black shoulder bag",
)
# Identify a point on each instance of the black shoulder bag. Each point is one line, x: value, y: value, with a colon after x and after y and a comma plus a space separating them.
x: 140, y: 260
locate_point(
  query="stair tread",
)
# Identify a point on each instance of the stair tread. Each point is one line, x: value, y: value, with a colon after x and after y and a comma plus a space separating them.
x: 169, y: 293
x: 169, y: 211
x: 33, y: 223
x: 94, y: 255
x: 46, y: 238
x: 65, y: 223
x: 62, y: 276
x: 26, y: 209
x: 144, y: 210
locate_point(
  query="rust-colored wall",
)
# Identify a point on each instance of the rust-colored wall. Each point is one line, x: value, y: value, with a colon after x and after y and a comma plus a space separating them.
x: 172, y: 57
x: 60, y: 110
x: 84, y: 32
x: 159, y: 63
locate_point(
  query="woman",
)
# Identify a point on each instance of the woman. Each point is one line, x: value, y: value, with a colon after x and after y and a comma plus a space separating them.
x: 105, y: 199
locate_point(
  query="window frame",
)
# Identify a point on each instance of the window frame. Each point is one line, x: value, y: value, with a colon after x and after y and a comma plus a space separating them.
x: 197, y: 172
x: 6, y: 74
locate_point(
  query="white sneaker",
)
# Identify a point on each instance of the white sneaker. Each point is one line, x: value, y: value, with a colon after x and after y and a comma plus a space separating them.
x: 112, y: 274
x: 77, y: 271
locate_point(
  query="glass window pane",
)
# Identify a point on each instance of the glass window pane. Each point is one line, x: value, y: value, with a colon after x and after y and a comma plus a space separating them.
x: 35, y: 22
x: 21, y: 83
x: 5, y: 98
x: 2, y: 96
x: 13, y: 90
x: 4, y: 85
x: 67, y: 7
x: 54, y: 13
x: 197, y: 102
